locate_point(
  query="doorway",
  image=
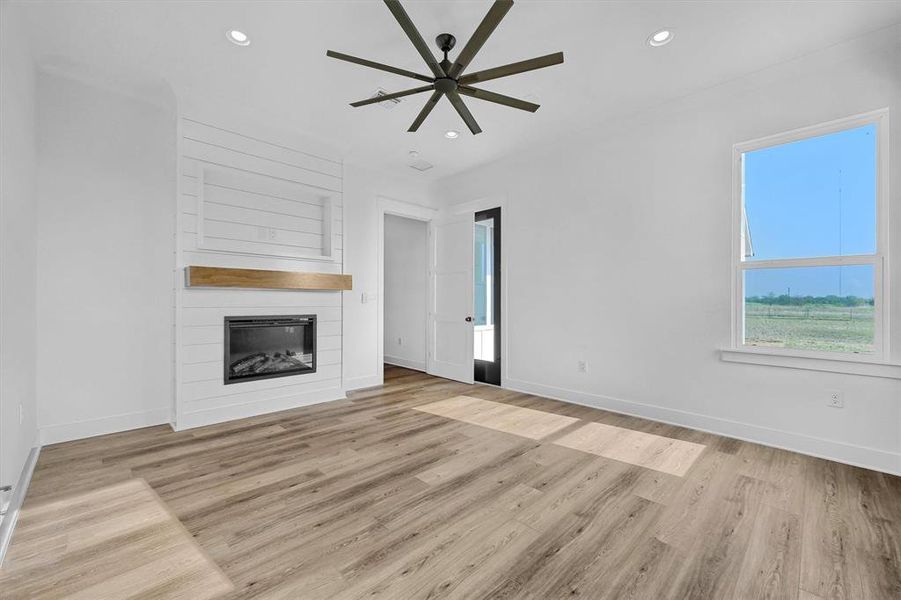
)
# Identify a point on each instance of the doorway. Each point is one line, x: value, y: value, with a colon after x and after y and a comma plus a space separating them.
x: 405, y: 287
x: 487, y: 296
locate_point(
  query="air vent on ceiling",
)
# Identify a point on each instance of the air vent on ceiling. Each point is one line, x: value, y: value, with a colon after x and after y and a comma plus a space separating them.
x: 388, y: 104
x: 421, y: 165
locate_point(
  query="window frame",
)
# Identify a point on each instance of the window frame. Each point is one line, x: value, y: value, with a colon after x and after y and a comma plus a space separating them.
x: 879, y: 260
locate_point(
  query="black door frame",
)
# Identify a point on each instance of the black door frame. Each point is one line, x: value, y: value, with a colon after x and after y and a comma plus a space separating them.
x: 485, y: 371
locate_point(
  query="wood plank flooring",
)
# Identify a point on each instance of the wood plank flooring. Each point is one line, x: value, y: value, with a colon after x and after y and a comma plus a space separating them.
x: 618, y: 443
x: 125, y: 543
x: 371, y: 498
x: 526, y: 422
x: 634, y: 447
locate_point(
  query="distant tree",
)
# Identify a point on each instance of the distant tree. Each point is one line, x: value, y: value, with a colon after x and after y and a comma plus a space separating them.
x: 830, y: 300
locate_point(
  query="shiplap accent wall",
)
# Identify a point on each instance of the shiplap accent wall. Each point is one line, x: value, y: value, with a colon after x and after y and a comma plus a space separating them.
x: 252, y: 203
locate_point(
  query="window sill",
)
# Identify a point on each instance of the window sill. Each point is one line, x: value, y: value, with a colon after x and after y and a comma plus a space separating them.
x: 831, y: 365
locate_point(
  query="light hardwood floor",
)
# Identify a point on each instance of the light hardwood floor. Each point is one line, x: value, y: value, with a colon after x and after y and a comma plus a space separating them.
x: 378, y: 497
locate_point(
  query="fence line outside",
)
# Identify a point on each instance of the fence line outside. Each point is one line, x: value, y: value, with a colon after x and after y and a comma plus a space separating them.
x: 810, y: 311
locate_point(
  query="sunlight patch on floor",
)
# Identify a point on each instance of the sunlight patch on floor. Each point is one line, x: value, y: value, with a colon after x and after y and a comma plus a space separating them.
x: 646, y: 450
x: 526, y: 422
x: 114, y: 542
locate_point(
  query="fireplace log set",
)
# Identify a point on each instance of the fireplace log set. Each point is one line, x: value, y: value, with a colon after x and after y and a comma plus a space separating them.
x: 263, y: 362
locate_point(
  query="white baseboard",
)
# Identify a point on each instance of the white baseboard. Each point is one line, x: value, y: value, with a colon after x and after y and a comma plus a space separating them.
x: 8, y: 524
x: 65, y: 432
x: 367, y: 381
x: 405, y: 363
x: 858, y: 456
x: 221, y: 414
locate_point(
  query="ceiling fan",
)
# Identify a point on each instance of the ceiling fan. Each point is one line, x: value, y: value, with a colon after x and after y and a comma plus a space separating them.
x: 447, y: 77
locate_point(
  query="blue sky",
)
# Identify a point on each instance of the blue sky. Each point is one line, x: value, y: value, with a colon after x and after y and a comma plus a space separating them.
x: 814, y: 197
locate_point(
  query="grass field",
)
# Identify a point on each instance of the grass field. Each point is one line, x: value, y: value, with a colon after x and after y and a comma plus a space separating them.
x: 810, y: 327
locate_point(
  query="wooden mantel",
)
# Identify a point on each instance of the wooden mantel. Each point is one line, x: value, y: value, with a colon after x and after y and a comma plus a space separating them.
x: 259, y: 279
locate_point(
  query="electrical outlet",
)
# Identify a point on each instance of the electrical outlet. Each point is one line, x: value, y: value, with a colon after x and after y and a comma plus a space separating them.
x: 400, y: 341
x: 21, y: 414
x: 835, y: 398
x: 582, y: 366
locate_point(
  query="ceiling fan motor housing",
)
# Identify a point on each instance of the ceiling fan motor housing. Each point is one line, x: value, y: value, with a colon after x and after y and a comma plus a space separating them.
x: 446, y: 85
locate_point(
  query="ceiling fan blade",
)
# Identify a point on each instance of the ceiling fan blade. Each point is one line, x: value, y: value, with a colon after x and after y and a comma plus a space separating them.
x: 433, y: 100
x: 410, y: 29
x: 513, y: 68
x: 497, y: 98
x: 482, y: 32
x: 379, y: 66
x: 463, y: 111
x: 384, y: 97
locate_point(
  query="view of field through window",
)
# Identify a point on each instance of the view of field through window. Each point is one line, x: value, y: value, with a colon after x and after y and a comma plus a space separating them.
x: 806, y: 200
x: 826, y: 309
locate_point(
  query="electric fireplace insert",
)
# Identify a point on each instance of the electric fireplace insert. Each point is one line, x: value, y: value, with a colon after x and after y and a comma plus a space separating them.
x: 269, y: 346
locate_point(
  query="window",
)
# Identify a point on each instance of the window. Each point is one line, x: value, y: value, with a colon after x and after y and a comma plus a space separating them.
x: 483, y: 287
x: 810, y: 241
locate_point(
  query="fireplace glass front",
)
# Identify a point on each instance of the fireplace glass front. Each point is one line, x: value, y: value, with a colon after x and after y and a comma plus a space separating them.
x: 270, y: 346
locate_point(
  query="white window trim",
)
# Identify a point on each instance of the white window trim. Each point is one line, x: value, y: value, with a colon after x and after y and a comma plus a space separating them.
x: 770, y: 357
x: 822, y: 361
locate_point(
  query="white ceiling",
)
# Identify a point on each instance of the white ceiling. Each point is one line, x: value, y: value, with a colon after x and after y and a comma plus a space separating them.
x: 285, y: 76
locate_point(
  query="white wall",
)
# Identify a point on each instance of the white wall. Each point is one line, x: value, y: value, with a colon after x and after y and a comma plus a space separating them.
x: 405, y: 291
x: 106, y: 183
x: 362, y: 190
x: 107, y: 252
x: 17, y: 246
x: 618, y: 240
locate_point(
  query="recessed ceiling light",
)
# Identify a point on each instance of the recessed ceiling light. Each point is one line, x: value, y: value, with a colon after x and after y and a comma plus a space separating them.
x: 660, y: 38
x: 451, y: 134
x: 237, y: 37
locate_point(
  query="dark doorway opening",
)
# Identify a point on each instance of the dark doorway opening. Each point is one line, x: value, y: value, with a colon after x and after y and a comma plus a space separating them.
x: 487, y: 300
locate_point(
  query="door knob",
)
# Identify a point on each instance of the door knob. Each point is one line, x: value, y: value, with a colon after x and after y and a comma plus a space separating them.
x: 469, y: 319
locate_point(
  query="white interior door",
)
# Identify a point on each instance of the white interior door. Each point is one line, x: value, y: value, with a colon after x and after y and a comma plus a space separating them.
x: 450, y: 298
